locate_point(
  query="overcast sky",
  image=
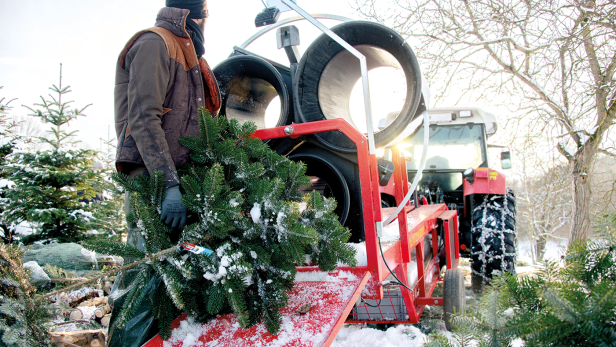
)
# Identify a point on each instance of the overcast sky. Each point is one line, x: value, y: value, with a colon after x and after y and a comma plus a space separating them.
x: 87, y: 36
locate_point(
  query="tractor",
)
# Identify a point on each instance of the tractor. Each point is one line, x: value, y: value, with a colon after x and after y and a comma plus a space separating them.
x: 458, y: 174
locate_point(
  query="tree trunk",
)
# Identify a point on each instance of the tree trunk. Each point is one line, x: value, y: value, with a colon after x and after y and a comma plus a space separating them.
x: 540, y: 248
x: 582, y: 193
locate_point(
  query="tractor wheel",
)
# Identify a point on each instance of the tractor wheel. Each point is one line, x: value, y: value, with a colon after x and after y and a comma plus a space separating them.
x: 493, y: 237
x: 454, y: 297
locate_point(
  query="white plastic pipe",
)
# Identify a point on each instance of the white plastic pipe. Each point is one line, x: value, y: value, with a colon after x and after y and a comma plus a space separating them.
x: 426, y: 124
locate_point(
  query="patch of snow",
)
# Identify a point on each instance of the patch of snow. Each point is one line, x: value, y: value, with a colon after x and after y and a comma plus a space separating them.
x: 315, y: 276
x: 187, y: 333
x: 396, y: 336
x: 25, y: 229
x: 4, y: 183
x: 255, y: 213
x: 360, y: 254
x: 571, y: 151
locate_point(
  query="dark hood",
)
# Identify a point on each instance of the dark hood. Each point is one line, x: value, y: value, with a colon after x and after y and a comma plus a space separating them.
x: 174, y: 20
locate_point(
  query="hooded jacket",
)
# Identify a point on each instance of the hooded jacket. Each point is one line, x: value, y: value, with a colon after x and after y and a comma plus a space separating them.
x: 160, y: 84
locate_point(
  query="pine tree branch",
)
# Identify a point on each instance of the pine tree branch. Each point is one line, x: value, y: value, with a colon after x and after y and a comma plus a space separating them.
x: 150, y: 257
x: 607, y: 295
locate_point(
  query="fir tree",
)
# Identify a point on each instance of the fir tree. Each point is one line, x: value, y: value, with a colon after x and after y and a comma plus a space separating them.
x: 9, y: 141
x: 572, y: 303
x: 245, y: 201
x: 53, y: 185
x: 109, y: 208
x: 22, y: 319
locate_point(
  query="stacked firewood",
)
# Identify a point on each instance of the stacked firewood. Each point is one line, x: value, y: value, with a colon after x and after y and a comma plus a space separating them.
x: 85, y: 305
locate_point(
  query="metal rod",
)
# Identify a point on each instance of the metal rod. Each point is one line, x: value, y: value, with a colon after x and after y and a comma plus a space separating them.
x: 426, y: 124
x: 291, y: 20
x: 362, y: 62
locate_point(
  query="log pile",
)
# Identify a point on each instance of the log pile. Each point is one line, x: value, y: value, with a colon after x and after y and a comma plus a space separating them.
x: 85, y: 338
x: 76, y: 297
x: 105, y: 320
x: 88, y: 308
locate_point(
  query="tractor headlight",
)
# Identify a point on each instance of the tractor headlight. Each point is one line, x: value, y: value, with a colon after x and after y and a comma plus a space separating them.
x: 468, y: 172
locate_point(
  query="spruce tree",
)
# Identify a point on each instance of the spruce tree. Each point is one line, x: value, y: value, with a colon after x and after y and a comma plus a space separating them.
x: 245, y: 205
x: 53, y: 186
x: 109, y: 208
x: 9, y: 141
x: 567, y: 303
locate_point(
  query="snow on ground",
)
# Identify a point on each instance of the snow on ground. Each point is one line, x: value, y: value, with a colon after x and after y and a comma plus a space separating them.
x: 554, y: 249
x: 360, y: 335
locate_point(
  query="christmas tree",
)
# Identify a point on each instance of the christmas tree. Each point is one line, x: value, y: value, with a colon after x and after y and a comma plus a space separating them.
x: 568, y: 303
x: 109, y: 208
x: 9, y: 141
x: 53, y: 185
x: 246, y: 207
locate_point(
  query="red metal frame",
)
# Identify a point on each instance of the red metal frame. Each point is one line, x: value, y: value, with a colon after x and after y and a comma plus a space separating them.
x: 413, y: 224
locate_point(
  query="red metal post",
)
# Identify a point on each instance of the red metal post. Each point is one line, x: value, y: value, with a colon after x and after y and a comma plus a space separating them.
x: 407, y: 295
x: 400, y: 189
x: 448, y: 245
x: 421, y: 277
x: 434, y: 242
x: 456, y: 232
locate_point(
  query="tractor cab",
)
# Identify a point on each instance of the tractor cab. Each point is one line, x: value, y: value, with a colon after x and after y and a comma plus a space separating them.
x: 458, y: 141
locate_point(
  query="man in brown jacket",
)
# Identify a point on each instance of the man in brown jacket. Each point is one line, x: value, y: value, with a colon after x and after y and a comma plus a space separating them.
x: 161, y: 81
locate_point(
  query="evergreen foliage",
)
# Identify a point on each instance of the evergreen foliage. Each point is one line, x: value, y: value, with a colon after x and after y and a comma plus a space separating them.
x: 9, y: 140
x: 21, y: 318
x: 54, y: 186
x: 109, y: 207
x: 245, y: 205
x: 566, y: 304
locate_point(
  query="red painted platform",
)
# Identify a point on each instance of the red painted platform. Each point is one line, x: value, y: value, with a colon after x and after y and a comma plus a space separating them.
x: 331, y: 300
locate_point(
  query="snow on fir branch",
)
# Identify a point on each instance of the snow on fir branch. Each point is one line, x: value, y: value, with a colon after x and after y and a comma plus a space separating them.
x: 246, y: 207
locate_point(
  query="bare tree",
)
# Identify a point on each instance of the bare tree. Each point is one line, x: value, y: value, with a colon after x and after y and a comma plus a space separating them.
x: 554, y: 59
x: 544, y: 200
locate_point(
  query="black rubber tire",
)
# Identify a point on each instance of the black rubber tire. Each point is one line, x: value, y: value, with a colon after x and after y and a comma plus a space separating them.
x: 454, y: 297
x: 493, y: 248
x: 387, y: 201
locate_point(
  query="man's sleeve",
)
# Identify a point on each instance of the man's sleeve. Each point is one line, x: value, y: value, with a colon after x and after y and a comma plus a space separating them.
x: 148, y: 65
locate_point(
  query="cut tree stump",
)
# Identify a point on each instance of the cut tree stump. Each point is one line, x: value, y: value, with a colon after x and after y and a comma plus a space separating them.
x: 101, y: 311
x: 79, y: 298
x: 85, y: 338
x: 85, y: 313
x: 105, y: 320
x: 95, y: 302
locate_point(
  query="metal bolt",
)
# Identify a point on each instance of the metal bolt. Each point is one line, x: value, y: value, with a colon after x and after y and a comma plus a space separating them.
x: 288, y: 130
x: 436, y: 301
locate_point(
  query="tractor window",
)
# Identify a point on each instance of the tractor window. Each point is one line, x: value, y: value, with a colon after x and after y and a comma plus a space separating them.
x: 450, y: 147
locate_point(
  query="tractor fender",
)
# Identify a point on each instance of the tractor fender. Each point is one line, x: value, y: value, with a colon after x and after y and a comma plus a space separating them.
x: 485, y: 181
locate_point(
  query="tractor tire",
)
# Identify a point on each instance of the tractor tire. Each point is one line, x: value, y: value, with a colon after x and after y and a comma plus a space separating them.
x: 493, y: 246
x: 454, y: 296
